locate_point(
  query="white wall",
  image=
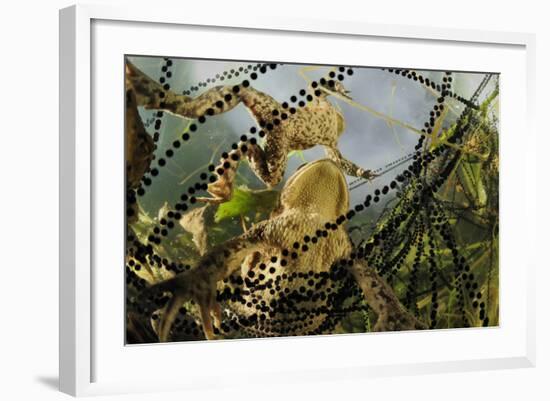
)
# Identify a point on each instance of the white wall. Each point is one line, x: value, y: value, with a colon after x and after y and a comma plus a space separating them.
x: 29, y: 153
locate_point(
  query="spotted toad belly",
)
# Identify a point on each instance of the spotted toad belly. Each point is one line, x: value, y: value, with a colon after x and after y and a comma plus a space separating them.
x: 273, y: 295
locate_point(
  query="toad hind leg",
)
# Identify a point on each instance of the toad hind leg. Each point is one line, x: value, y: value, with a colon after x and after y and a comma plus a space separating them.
x: 217, y: 100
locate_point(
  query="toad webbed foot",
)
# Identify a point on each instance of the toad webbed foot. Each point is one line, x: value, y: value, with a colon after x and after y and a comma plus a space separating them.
x: 367, y: 174
x: 193, y: 286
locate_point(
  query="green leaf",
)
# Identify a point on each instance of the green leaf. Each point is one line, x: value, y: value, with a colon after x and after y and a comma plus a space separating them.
x: 246, y: 201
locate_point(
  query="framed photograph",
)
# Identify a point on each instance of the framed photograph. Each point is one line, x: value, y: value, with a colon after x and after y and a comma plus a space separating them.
x: 327, y: 199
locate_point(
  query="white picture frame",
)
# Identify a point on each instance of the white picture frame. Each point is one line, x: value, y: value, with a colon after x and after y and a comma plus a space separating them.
x: 88, y: 366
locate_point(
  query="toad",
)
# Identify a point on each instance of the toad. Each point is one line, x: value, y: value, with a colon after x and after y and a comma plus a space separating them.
x: 283, y: 276
x: 286, y: 128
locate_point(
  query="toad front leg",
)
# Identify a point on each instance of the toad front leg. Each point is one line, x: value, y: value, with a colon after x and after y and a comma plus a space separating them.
x: 200, y: 283
x: 188, y: 286
x: 347, y: 166
x: 269, y: 165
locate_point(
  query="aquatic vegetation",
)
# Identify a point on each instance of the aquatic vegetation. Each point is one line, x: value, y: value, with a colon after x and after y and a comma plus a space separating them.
x: 417, y: 249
